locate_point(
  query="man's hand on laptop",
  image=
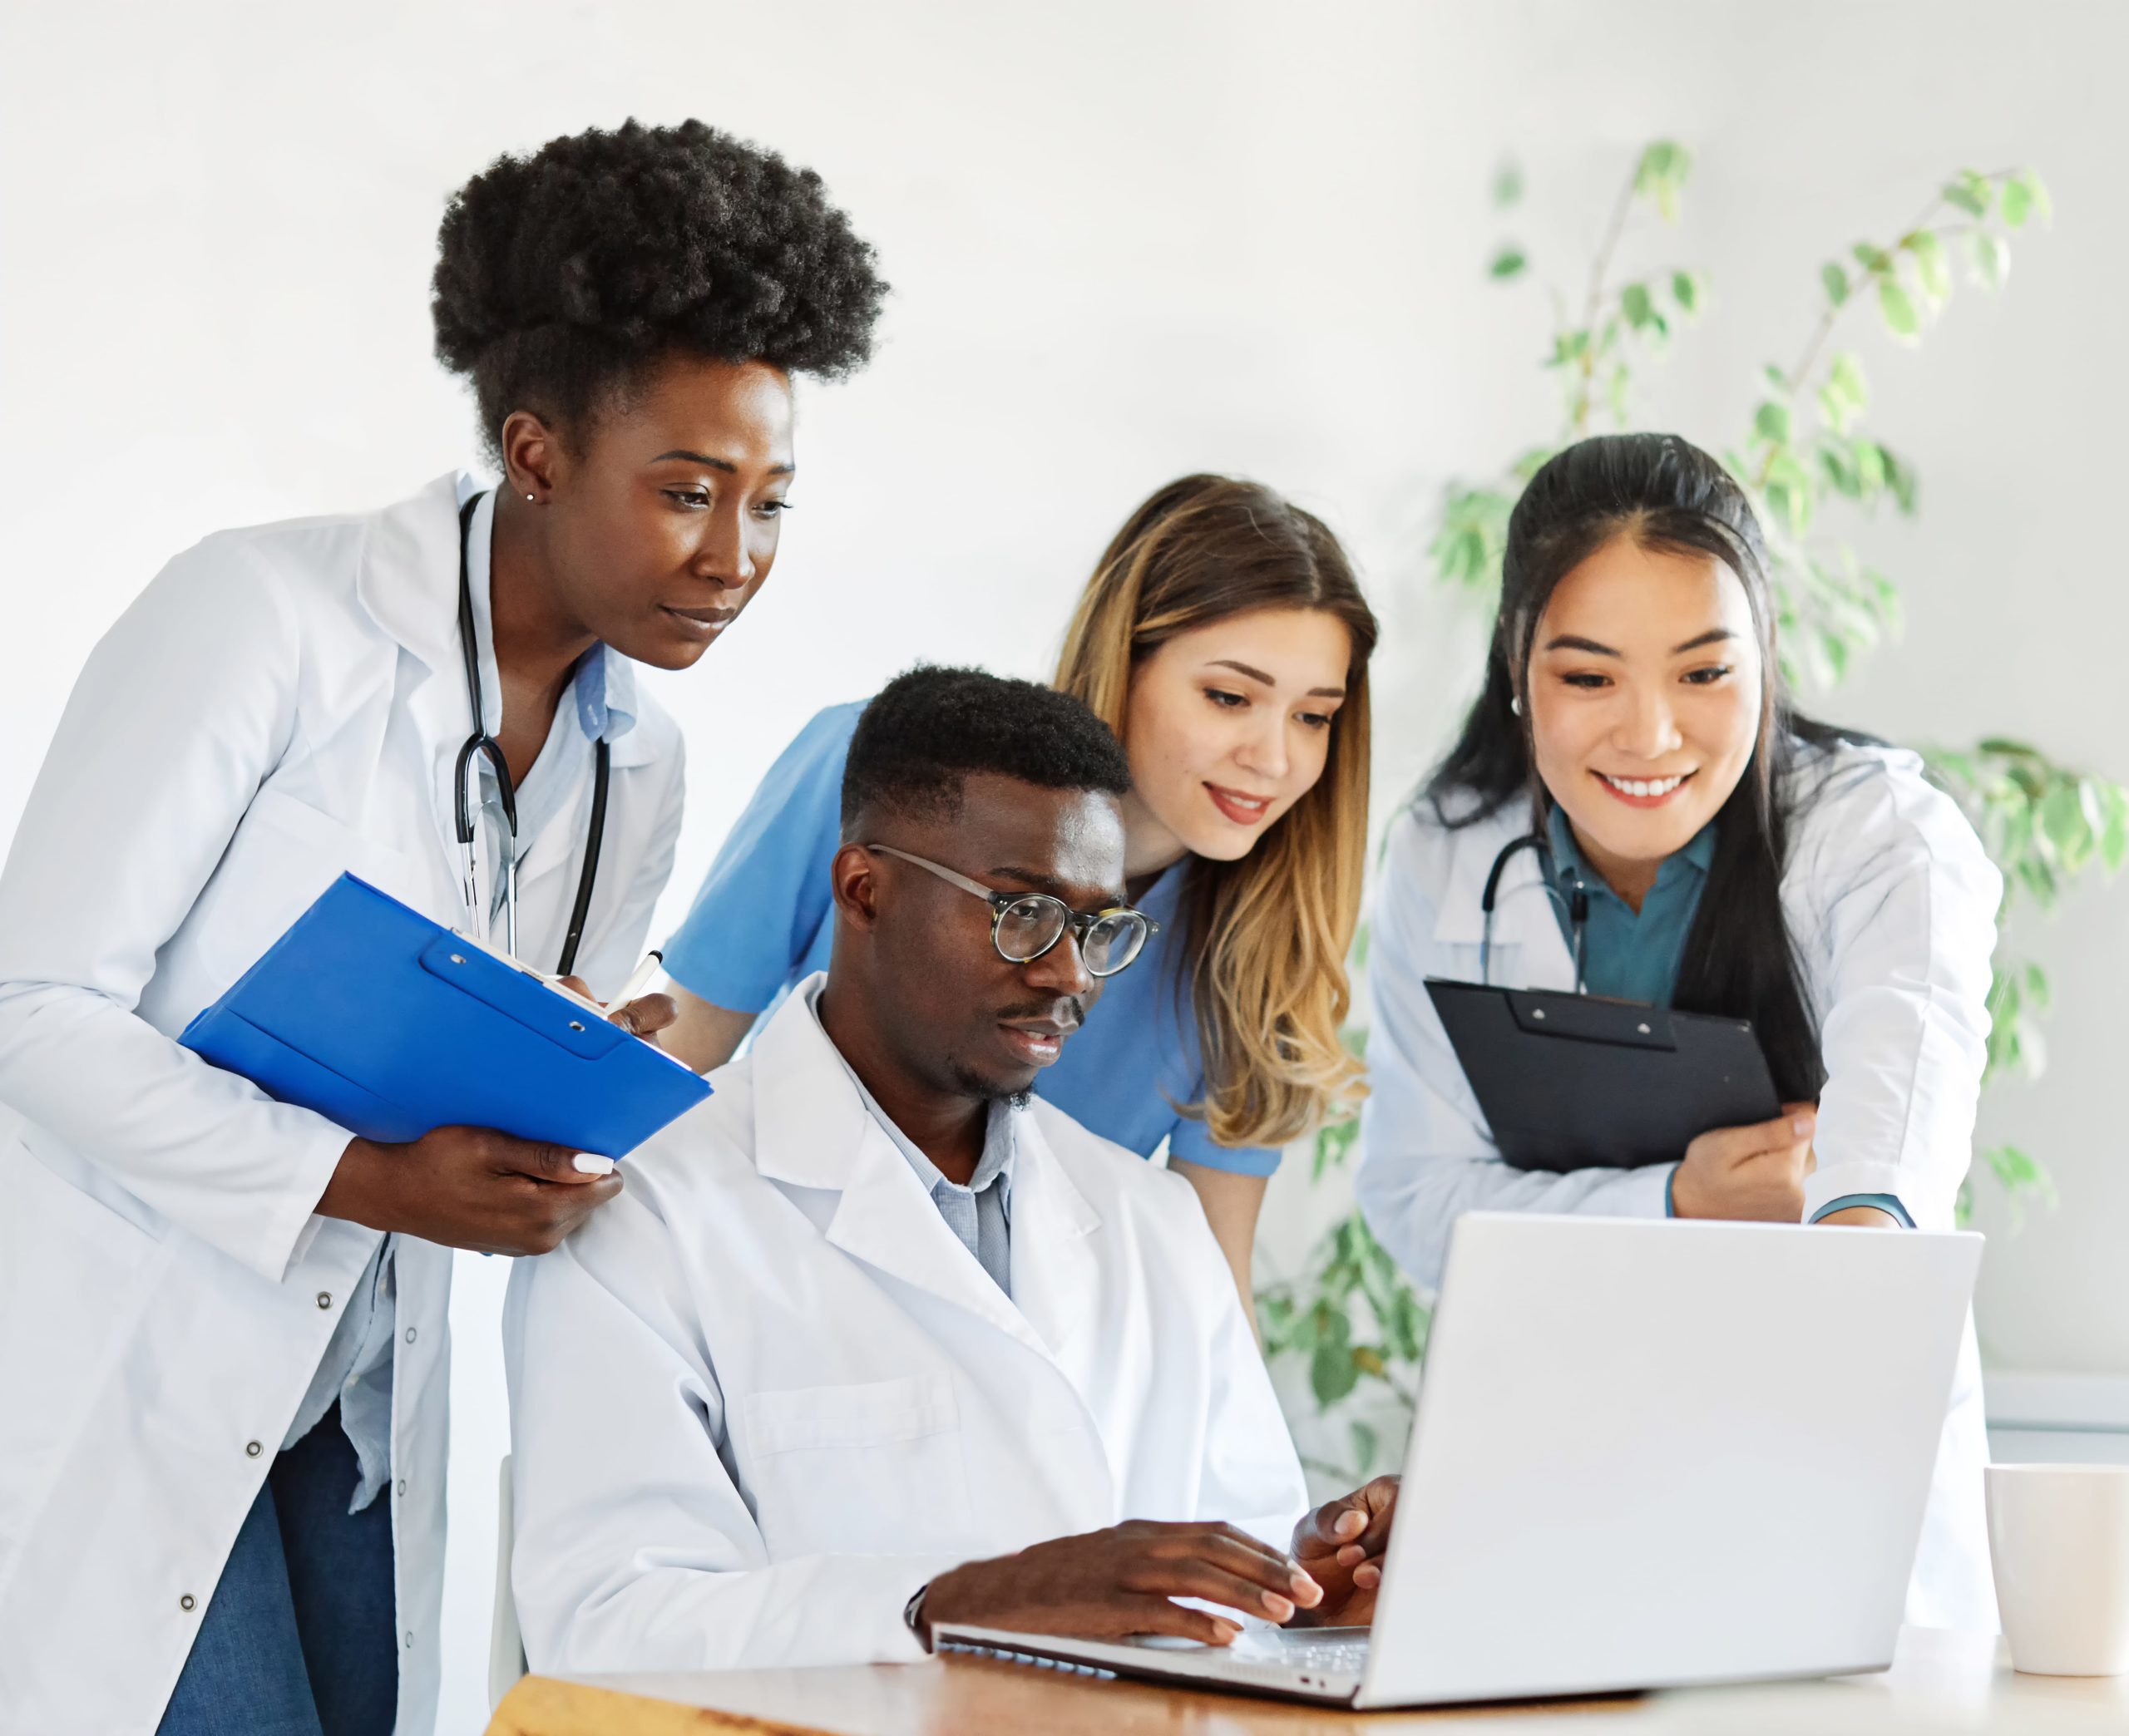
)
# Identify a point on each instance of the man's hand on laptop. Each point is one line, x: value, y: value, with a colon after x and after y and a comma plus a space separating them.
x: 1341, y: 1546
x: 1108, y: 1584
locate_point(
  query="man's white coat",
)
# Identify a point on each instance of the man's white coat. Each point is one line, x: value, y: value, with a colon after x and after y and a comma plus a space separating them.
x: 766, y: 1394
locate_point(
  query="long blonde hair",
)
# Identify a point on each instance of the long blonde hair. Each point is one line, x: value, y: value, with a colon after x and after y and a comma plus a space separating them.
x: 1265, y: 937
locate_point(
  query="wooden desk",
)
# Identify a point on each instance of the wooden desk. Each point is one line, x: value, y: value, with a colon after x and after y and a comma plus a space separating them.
x: 1939, y: 1681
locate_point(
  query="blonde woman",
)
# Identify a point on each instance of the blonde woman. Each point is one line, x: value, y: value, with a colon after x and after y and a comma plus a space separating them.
x: 1224, y: 639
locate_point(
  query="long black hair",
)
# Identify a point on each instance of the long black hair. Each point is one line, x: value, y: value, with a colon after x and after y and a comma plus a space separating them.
x: 1665, y: 494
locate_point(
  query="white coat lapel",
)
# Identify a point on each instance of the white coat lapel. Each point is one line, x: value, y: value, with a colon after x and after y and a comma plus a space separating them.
x: 812, y: 1129
x: 1528, y: 950
x: 408, y: 582
x: 1054, y: 1269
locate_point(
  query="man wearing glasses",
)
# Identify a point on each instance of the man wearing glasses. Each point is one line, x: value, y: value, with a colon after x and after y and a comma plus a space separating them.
x: 875, y: 1339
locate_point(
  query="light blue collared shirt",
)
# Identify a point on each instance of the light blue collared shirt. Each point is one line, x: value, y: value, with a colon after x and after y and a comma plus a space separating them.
x: 981, y: 1214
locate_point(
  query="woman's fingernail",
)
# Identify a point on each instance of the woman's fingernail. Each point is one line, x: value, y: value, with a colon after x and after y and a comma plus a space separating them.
x: 1801, y: 1125
x: 585, y: 1164
x: 1368, y: 1575
x: 1349, y: 1553
x: 1306, y: 1591
x: 1351, y: 1523
x: 1279, y: 1608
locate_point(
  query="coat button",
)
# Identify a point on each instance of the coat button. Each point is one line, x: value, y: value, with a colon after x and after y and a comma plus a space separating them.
x: 403, y: 1486
x: 252, y: 1449
x: 410, y: 1642
x: 410, y: 1335
x: 187, y: 1602
x: 325, y: 1299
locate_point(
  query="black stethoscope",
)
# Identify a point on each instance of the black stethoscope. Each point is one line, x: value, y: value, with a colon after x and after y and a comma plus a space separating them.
x: 486, y: 745
x: 1575, y: 901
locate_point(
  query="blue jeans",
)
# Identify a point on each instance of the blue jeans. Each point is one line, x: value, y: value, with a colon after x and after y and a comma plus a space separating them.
x: 298, y: 1639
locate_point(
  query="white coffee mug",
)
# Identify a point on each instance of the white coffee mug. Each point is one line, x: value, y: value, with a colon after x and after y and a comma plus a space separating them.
x: 2059, y: 1535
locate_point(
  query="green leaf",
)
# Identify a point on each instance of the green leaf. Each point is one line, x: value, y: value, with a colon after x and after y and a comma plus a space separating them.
x: 1836, y: 282
x: 2037, y: 988
x: 1844, y: 397
x: 2064, y: 824
x: 1661, y: 175
x: 1509, y: 262
x: 1365, y: 1444
x: 1873, y: 259
x: 1508, y: 183
x: 1770, y: 422
x: 1635, y: 303
x: 1845, y: 376
x: 2032, y: 198
x: 1688, y: 290
x: 1777, y: 378
x: 1990, y: 260
x: 1333, y: 1145
x: 2114, y: 826
x: 1407, y: 1325
x: 1839, y: 467
x: 1901, y: 478
x: 1333, y: 1373
x: 1933, y: 266
x: 2020, y: 1174
x: 1901, y: 319
x: 1970, y: 193
x: 1870, y: 459
x: 2017, y: 204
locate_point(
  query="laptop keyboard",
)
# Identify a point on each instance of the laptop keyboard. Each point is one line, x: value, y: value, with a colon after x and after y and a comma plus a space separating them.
x: 1340, y: 1657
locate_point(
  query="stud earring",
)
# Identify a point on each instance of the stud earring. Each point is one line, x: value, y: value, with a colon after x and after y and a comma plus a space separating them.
x: 533, y: 498
x: 1514, y: 705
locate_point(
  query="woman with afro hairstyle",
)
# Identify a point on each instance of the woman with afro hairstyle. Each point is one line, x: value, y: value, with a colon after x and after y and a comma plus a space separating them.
x: 221, y: 1490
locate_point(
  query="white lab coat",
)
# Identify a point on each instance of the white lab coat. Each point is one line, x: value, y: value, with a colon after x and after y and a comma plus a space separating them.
x: 1891, y: 905
x: 280, y: 704
x: 767, y: 1393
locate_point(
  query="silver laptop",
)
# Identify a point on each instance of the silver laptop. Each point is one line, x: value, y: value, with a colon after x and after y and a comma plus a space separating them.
x: 1646, y: 1454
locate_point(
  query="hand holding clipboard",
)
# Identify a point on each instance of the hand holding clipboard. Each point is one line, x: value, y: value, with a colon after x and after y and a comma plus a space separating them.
x: 473, y: 1087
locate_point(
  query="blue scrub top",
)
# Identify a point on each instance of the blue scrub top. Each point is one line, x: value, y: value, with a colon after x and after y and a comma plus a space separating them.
x: 763, y: 920
x: 1636, y: 957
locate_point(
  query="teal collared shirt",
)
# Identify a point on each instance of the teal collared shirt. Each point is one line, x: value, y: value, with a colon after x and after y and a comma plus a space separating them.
x: 1627, y: 955
x: 1635, y: 956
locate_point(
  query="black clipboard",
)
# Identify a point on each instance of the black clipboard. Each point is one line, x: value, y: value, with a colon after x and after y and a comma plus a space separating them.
x: 1572, y: 1082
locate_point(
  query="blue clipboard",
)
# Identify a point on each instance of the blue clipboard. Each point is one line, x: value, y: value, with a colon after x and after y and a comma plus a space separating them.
x: 389, y: 1025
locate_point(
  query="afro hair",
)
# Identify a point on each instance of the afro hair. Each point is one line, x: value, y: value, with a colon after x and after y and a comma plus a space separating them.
x: 929, y: 727
x: 561, y: 276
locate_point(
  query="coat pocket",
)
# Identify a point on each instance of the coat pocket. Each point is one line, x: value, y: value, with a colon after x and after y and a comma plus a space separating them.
x: 284, y: 853
x: 871, y: 1468
x: 74, y: 1277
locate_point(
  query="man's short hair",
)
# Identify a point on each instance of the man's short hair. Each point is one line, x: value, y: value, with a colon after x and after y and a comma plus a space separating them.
x: 929, y: 727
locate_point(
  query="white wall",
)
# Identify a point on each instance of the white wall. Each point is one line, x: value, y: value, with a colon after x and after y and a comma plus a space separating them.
x: 1127, y: 240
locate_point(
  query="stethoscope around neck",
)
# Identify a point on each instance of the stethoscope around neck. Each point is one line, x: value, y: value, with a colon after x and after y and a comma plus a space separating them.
x: 1574, y: 901
x: 485, y: 746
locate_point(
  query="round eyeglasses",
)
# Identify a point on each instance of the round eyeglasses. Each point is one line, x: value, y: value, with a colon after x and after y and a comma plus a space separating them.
x: 1024, y: 925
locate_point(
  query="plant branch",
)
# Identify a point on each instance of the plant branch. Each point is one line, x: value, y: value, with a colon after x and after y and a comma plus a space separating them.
x: 1598, y: 266
x: 1804, y: 362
